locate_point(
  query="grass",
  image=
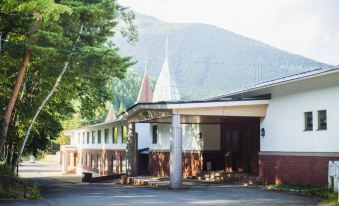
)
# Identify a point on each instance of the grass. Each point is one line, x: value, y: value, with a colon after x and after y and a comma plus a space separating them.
x: 326, y: 194
x: 12, y: 187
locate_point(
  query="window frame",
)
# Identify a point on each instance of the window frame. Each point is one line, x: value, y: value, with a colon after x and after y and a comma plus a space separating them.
x: 306, y: 119
x: 124, y: 134
x: 106, y: 135
x: 154, y: 134
x: 319, y: 120
x: 93, y: 137
x: 99, y: 136
x: 115, y: 135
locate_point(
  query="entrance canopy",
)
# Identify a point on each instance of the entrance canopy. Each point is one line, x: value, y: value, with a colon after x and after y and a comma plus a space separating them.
x: 197, y: 111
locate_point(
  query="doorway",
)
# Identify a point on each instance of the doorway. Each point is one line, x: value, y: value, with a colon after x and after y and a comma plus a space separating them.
x: 240, y: 144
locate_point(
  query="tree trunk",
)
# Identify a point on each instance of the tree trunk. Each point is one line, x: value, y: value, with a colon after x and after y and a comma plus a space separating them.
x: 18, y: 82
x: 50, y: 94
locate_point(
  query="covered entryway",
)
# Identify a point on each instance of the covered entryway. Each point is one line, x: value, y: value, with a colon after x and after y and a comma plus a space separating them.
x: 231, y: 144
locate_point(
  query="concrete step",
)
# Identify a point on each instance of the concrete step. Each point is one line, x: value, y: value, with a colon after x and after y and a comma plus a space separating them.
x: 230, y: 178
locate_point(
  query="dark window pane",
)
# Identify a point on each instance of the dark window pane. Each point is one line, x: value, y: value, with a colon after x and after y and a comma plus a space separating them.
x: 115, y: 135
x: 308, y: 121
x: 322, y: 120
x: 106, y: 136
x: 93, y: 137
x: 154, y: 134
x: 124, y: 134
x: 99, y: 136
x: 87, y: 138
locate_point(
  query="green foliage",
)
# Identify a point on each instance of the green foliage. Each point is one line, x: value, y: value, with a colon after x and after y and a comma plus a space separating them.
x: 329, y: 197
x: 206, y: 60
x: 125, y: 91
x: 6, y: 170
x: 93, y: 62
x: 34, y: 191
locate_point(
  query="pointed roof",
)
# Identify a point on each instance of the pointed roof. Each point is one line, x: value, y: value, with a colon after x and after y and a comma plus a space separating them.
x: 165, y: 88
x: 110, y: 114
x: 145, y: 92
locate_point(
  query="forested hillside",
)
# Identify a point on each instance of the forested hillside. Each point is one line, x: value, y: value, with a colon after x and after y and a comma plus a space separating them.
x: 207, y: 60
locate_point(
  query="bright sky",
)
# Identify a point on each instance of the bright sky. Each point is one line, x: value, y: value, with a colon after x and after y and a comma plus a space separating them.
x: 306, y: 27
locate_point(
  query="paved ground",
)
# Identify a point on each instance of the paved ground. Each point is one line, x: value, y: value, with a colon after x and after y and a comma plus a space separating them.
x: 57, y: 192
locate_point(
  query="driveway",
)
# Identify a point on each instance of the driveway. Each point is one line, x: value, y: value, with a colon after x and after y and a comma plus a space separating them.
x: 55, y: 191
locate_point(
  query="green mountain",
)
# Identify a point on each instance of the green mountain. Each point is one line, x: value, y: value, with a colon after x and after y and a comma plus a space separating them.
x: 206, y: 60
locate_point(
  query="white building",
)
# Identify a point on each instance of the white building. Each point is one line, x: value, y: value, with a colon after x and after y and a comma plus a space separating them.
x: 282, y: 131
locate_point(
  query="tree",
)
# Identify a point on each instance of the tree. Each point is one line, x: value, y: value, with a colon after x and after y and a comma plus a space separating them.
x: 85, y: 87
x: 36, y: 11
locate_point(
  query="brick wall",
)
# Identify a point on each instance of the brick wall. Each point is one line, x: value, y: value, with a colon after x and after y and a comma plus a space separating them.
x: 192, y: 162
x: 118, y: 154
x: 306, y: 170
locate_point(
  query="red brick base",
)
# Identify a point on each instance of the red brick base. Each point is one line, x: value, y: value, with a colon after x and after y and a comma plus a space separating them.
x: 306, y: 170
x: 159, y: 163
x: 109, y: 154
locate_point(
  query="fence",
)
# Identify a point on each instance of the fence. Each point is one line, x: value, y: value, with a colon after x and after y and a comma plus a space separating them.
x: 333, y: 176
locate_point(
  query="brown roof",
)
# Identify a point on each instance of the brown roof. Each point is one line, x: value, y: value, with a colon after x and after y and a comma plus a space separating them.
x: 145, y: 93
x: 110, y: 114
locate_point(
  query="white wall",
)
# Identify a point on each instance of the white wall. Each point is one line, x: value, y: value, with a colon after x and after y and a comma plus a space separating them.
x: 190, y: 136
x: 102, y: 145
x: 284, y: 122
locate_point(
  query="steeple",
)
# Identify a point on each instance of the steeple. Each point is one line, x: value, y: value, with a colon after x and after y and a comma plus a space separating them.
x: 165, y: 88
x: 145, y: 92
x: 110, y: 114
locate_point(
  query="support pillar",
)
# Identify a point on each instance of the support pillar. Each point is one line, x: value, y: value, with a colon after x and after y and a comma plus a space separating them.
x: 176, y: 153
x: 132, y: 151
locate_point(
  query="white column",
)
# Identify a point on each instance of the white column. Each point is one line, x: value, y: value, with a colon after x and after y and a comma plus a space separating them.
x: 176, y: 153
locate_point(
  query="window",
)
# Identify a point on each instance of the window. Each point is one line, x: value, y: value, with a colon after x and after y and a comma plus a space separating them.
x: 106, y: 164
x: 87, y: 137
x: 87, y: 160
x: 124, y: 165
x: 83, y: 138
x: 115, y: 135
x: 322, y: 120
x: 154, y: 134
x: 114, y: 165
x: 92, y: 161
x: 124, y: 134
x: 93, y: 137
x: 99, y: 136
x: 97, y: 163
x: 79, y: 138
x: 308, y: 121
x: 106, y: 136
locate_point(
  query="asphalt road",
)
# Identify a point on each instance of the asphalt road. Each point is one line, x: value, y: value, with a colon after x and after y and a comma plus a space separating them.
x: 56, y: 192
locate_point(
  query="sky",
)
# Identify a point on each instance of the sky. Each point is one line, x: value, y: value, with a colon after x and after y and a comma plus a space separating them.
x: 306, y: 27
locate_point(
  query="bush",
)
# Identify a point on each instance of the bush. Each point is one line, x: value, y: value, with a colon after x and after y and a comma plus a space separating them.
x: 329, y: 197
x: 33, y: 192
x: 6, y: 170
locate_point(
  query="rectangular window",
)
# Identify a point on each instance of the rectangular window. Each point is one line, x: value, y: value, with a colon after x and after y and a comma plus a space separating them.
x: 87, y: 137
x: 106, y: 136
x: 99, y: 136
x: 79, y: 138
x: 115, y: 135
x: 114, y: 165
x: 93, y: 137
x: 92, y: 161
x: 83, y: 138
x: 124, y: 134
x: 154, y: 134
x: 308, y: 121
x: 86, y: 160
x: 124, y: 165
x: 322, y: 120
x: 106, y: 164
